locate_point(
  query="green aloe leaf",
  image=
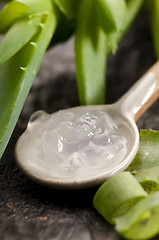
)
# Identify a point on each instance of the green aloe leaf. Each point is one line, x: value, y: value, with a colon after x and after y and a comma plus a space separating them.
x: 142, y: 220
x: 10, y: 13
x: 37, y: 6
x: 64, y: 29
x: 90, y: 56
x: 17, y: 36
x: 17, y: 75
x: 111, y: 14
x: 114, y: 38
x: 67, y: 7
x: 117, y: 195
x: 148, y: 153
x: 149, y: 179
x: 154, y: 10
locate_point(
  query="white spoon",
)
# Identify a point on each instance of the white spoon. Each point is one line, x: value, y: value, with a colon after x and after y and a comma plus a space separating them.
x: 83, y: 146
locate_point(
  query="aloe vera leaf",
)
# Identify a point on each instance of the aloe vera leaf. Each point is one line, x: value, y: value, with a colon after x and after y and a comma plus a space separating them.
x: 90, y: 56
x: 17, y: 75
x: 37, y: 6
x: 117, y: 195
x: 67, y: 7
x: 17, y: 36
x: 64, y: 29
x: 133, y: 8
x: 149, y: 179
x: 111, y: 14
x: 142, y: 220
x: 148, y: 153
x: 155, y: 25
x: 10, y: 13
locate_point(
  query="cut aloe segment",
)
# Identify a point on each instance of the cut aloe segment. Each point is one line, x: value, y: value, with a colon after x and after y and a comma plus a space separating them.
x: 17, y: 36
x: 117, y: 195
x: 148, y: 153
x: 10, y: 13
x: 149, y: 179
x: 142, y: 220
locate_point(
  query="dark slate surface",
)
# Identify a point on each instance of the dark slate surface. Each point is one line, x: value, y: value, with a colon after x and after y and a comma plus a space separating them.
x: 29, y: 211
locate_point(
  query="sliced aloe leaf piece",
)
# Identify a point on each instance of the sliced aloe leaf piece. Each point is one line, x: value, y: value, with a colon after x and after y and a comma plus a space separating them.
x: 10, y: 13
x: 111, y: 14
x: 90, y: 56
x: 17, y: 75
x: 142, y: 220
x: 149, y: 179
x: 148, y: 153
x: 117, y: 195
x: 17, y: 36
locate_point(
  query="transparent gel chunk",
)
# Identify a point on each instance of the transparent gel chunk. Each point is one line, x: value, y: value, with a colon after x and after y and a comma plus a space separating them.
x: 73, y: 143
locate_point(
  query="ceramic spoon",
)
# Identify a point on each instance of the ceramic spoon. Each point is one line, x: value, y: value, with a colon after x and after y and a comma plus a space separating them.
x: 83, y: 146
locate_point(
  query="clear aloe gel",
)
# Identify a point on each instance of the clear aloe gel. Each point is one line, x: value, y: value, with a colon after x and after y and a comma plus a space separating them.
x: 73, y: 144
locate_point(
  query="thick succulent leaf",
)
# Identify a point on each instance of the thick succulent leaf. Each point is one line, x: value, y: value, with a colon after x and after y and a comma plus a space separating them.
x: 154, y: 7
x: 17, y: 75
x: 111, y: 14
x: 114, y: 38
x: 10, y: 13
x: 64, y: 29
x: 149, y: 179
x: 117, y: 195
x: 90, y: 56
x: 142, y: 220
x: 17, y: 36
x: 67, y: 7
x: 148, y: 153
x: 37, y: 6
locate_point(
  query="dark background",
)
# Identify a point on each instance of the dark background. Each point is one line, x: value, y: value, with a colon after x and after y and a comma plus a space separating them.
x: 29, y: 211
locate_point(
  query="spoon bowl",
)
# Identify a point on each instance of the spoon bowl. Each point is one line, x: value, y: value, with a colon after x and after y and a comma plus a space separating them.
x: 83, y: 146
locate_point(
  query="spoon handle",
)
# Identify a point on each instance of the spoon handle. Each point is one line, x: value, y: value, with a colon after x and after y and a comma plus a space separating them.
x: 142, y: 94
